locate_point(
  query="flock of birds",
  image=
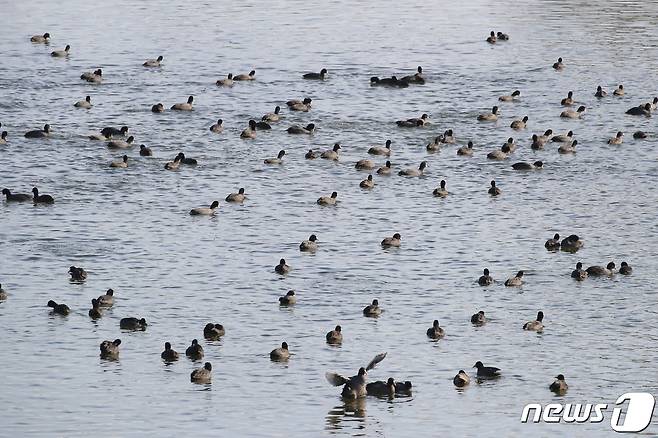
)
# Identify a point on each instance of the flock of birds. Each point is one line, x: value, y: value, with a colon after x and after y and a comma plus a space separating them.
x: 355, y: 386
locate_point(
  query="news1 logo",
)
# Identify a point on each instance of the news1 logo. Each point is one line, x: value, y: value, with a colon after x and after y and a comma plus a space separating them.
x: 636, y: 418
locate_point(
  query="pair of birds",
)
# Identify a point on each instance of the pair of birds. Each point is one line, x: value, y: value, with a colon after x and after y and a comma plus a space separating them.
x: 185, y: 106
x: 486, y: 280
x: 494, y: 37
x: 21, y: 197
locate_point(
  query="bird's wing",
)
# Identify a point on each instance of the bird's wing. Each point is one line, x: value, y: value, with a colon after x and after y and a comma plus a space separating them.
x: 380, y: 357
x: 335, y: 379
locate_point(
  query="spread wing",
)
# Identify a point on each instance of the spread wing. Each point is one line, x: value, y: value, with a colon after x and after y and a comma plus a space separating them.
x: 375, y: 360
x: 336, y: 379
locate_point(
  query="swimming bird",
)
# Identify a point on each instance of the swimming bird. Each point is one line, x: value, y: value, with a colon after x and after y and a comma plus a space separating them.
x: 478, y: 318
x: 86, y: 104
x: 563, y: 138
x: 277, y: 160
x: 571, y: 114
x: 296, y: 129
x: 282, y: 268
x: 486, y: 371
x: 600, y: 271
x: 106, y: 300
x: 381, y: 389
x: 335, y: 336
x: 385, y: 169
x: 132, y: 323
x: 618, y: 139
x: 435, y: 332
x: 300, y: 105
x: 203, y: 374
x: 394, y: 241
x: 367, y: 183
x: 39, y: 133
x: 619, y: 91
x: 158, y: 108
x: 110, y: 349
x: 217, y: 127
x: 272, y: 117
x: 491, y: 39
x: 568, y: 148
x: 354, y: 387
x: 194, y: 351
x: 262, y: 126
x: 636, y: 134
x: 60, y: 309
x: 226, y: 82
x: 123, y: 163
x: 510, y: 98
x: 553, y: 244
x: 510, y: 144
x: 205, y: 211
x: 642, y: 110
x: 559, y: 386
x: 121, y: 144
x: 493, y: 190
x: 569, y: 100
x: 461, y: 379
x: 537, y: 144
x: 466, y: 150
x: 3, y: 294
x: 95, y: 76
x: 571, y: 243
x: 61, y: 53
x: 3, y: 137
x: 414, y: 122
x: 41, y: 199
x: 515, y: 281
x: 485, y: 279
x: 414, y: 172
x: 77, y: 274
x: 332, y: 154
x: 502, y: 36
x: 600, y: 92
x: 173, y: 165
x: 111, y: 131
x: 184, y: 106
x: 280, y: 354
x: 213, y: 332
x: 625, y: 269
x: 246, y: 77
x: 186, y: 160
x: 328, y: 200
x: 393, y: 82
x: 41, y: 39
x: 236, y: 197
x: 153, y: 62
x: 537, y: 325
x: 320, y: 76
x: 376, y: 150
x: 579, y: 273
x: 364, y: 165
x: 309, y: 245
x: 448, y: 137
x: 372, y: 309
x: 416, y: 78
x: 441, y: 191
x: 145, y: 151
x: 559, y: 65
x: 17, y: 197
x: 519, y: 124
x: 528, y: 166
x: 289, y: 299
x: 435, y: 145
x: 489, y: 117
x: 169, y: 354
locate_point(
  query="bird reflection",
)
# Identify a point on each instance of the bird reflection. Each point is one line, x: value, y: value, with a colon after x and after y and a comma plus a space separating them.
x: 350, y: 410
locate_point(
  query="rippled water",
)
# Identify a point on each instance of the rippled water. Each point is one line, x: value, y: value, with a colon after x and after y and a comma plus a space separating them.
x: 131, y: 230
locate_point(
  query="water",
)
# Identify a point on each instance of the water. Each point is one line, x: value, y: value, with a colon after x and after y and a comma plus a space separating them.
x: 131, y: 230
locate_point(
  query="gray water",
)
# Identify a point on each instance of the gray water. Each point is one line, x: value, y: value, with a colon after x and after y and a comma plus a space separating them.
x: 130, y: 228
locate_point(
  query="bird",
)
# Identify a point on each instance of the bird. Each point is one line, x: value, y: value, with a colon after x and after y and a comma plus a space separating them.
x: 510, y: 98
x: 41, y: 199
x: 393, y: 82
x: 385, y: 169
x: 16, y: 197
x: 282, y: 268
x: 486, y: 371
x: 194, y: 351
x: 121, y: 144
x: 153, y: 62
x: 300, y: 105
x: 110, y: 349
x: 485, y: 279
x: 499, y: 154
x: 515, y: 281
x: 95, y: 77
x: 642, y: 110
x: 559, y: 386
x: 528, y: 166
x: 226, y: 82
x: 537, y: 325
x: 619, y: 91
x: 95, y: 311
x: 328, y: 200
x: 559, y: 65
x: 636, y: 134
x: 77, y: 274
x: 519, y: 124
x: 335, y: 336
x: 39, y: 133
x: 493, y: 190
x: 416, y: 78
x: 367, y: 183
x: 478, y: 318
x: 354, y: 387
x: 173, y: 165
x: 579, y: 273
x: 309, y: 245
x: 111, y: 131
x: 187, y: 160
x: 106, y: 300
x: 372, y: 309
x: 441, y: 191
x: 491, y: 39
x: 553, y: 244
x: 236, y: 197
x: 289, y: 299
x: 332, y: 154
x: 320, y: 76
x: 489, y: 117
x: 381, y: 389
x: 158, y: 108
x: 203, y: 374
x: 61, y: 53
x: 435, y: 145
x: 169, y: 354
x: 213, y: 332
x: 563, y: 138
x: 502, y: 36
x: 466, y: 150
x: 249, y: 132
x: 184, y: 106
x: 571, y: 243
x: 571, y: 114
x: 461, y: 379
x: 364, y: 165
x: 272, y: 117
x: 277, y: 160
x: 435, y: 332
x: 600, y: 271
x: 246, y: 77
x: 3, y: 294
x: 145, y: 151
x: 123, y: 163
x: 413, y: 122
x: 600, y: 92
x: 205, y: 211
x: 86, y: 103
x: 41, y: 39
x: 568, y: 101
x: 625, y: 269
x: 617, y: 139
x: 132, y: 323
x: 60, y: 309
x: 217, y: 127
x: 393, y: 241
x: 296, y: 129
x: 414, y: 172
x: 280, y: 354
x: 568, y: 148
x: 3, y: 137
